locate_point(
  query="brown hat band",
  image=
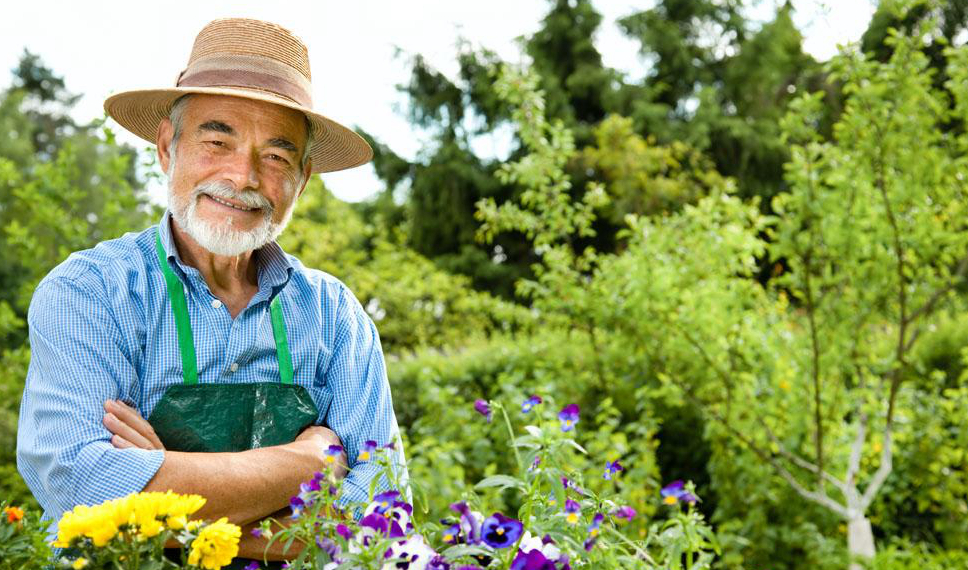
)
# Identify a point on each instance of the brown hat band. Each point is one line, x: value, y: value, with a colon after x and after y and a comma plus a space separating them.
x: 248, y: 72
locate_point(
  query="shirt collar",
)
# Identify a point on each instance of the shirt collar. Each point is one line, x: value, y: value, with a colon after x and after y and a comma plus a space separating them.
x: 274, y: 266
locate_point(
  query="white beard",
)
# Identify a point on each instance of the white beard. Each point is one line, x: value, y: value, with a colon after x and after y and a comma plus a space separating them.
x: 221, y: 238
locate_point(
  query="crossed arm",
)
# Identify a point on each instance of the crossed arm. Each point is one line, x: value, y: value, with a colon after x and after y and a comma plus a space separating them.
x: 73, y: 450
x: 246, y: 486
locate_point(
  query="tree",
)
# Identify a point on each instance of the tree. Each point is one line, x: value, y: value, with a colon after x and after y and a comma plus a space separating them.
x: 873, y: 234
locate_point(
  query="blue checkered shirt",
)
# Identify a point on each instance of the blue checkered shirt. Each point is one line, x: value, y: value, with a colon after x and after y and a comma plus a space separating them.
x: 101, y: 327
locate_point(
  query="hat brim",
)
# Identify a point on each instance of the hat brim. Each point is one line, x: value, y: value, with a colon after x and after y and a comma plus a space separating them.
x: 335, y: 147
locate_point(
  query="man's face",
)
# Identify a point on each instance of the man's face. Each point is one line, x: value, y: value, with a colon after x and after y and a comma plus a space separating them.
x: 234, y: 171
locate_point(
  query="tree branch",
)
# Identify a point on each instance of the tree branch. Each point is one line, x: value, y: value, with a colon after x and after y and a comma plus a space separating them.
x: 819, y: 497
x: 883, y: 470
x: 796, y: 459
x: 928, y: 306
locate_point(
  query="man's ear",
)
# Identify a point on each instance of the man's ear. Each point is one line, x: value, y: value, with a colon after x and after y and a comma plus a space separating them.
x: 165, y: 133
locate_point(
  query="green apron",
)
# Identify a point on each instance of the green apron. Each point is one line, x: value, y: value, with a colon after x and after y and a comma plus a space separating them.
x: 228, y: 417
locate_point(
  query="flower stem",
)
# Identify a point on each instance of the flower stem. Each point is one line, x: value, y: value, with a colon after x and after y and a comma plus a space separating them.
x: 641, y: 553
x: 507, y: 422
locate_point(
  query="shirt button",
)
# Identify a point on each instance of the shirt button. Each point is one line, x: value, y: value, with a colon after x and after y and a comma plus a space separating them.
x: 216, y: 304
x: 234, y: 367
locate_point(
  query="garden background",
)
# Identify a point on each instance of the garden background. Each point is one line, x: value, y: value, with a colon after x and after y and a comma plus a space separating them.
x: 747, y: 267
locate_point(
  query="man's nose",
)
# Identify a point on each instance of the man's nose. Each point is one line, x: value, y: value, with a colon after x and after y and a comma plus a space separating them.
x: 243, y: 169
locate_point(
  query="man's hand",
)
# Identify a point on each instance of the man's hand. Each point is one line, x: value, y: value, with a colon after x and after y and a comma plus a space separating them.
x: 325, y: 437
x: 129, y: 429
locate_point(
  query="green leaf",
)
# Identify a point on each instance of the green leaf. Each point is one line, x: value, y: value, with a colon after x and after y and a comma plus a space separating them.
x: 500, y: 481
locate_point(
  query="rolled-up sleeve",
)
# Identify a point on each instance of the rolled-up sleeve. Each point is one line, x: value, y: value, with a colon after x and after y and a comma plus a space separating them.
x: 362, y: 407
x: 78, y: 360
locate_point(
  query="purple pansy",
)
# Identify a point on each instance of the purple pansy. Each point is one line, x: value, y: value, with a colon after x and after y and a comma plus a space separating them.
x: 532, y: 560
x: 344, y: 531
x: 530, y: 403
x: 571, y: 510
x: 483, y: 408
x: 499, y: 531
x: 626, y: 513
x: 297, y: 505
x: 257, y: 532
x: 328, y: 546
x: 593, y: 530
x: 612, y: 467
x: 367, y: 451
x: 375, y: 523
x: 252, y: 566
x: 438, y: 563
x: 675, y: 492
x: 569, y: 417
x: 468, y: 523
x: 451, y: 535
x: 383, y: 502
x: 332, y: 454
x: 535, y: 463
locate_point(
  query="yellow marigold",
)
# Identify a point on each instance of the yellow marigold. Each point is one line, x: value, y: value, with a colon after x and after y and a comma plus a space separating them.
x: 151, y: 528
x: 177, y: 522
x: 80, y: 563
x: 96, y: 523
x: 216, y: 545
x: 182, y: 505
x: 13, y: 514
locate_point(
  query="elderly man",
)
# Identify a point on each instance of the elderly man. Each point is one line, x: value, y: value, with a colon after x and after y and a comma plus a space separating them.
x: 196, y: 355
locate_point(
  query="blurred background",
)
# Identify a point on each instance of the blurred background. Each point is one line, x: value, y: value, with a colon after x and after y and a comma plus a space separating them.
x: 737, y: 155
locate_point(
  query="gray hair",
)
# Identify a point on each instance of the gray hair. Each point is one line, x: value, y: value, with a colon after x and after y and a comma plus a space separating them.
x: 178, y: 109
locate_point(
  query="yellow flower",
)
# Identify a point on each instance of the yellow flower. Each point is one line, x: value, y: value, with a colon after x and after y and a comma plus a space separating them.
x: 216, y: 545
x: 96, y: 523
x: 177, y: 522
x: 80, y: 563
x: 151, y: 528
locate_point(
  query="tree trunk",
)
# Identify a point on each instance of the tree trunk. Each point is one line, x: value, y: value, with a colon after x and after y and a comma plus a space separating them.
x: 860, y: 541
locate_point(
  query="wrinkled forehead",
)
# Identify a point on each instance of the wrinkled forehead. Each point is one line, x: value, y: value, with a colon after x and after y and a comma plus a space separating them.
x: 241, y: 116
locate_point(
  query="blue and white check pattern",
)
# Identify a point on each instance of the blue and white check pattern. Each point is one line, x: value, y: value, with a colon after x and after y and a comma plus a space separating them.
x: 101, y: 327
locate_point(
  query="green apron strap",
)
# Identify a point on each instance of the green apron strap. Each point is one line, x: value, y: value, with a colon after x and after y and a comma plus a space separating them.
x: 176, y: 294
x: 282, y: 342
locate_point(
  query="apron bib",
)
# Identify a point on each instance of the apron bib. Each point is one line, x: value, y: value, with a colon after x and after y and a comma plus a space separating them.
x: 216, y: 418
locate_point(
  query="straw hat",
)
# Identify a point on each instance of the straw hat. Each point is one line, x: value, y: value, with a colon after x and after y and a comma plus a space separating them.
x: 252, y: 59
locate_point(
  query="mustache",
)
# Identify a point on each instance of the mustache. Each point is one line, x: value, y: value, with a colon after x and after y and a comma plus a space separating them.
x: 225, y: 191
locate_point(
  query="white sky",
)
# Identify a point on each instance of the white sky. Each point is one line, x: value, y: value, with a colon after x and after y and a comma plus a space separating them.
x: 101, y: 47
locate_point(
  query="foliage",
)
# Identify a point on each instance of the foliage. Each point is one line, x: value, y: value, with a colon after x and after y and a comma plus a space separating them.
x: 413, y: 302
x: 580, y: 526
x: 23, y: 535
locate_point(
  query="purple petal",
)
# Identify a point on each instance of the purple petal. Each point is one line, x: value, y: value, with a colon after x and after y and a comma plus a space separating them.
x: 499, y: 531
x: 483, y: 408
x: 344, y: 531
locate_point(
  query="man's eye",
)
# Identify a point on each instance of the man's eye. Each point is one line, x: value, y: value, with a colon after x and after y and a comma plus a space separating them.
x: 215, y: 143
x: 276, y: 157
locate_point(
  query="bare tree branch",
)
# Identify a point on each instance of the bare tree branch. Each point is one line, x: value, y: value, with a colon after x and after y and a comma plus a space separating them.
x: 856, y: 451
x: 882, y: 472
x: 819, y: 496
x: 928, y: 305
x: 794, y: 458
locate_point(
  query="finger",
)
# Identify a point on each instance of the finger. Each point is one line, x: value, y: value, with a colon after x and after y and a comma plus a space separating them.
x: 132, y: 418
x: 117, y: 427
x: 120, y: 443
